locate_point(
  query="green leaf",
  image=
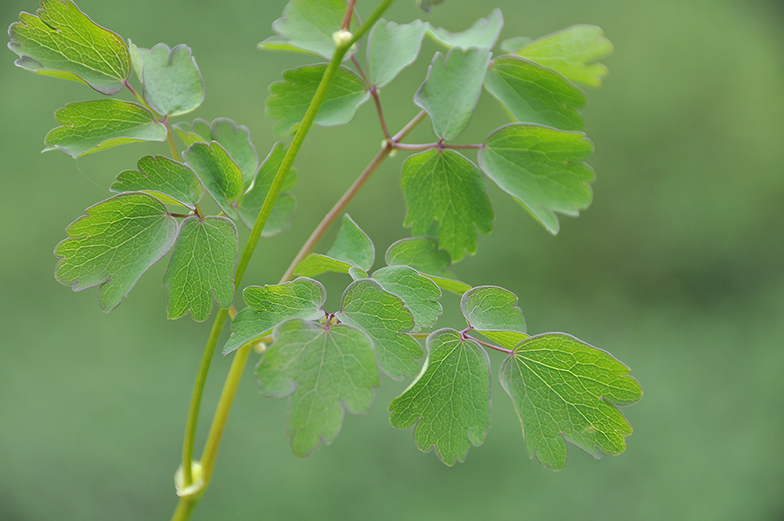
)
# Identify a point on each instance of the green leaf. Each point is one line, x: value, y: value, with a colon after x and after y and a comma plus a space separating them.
x: 218, y: 173
x: 289, y: 99
x: 250, y: 204
x: 451, y: 285
x: 447, y: 189
x: 450, y: 401
x: 62, y: 42
x: 419, y: 293
x: 493, y: 312
x: 386, y: 320
x: 353, y: 246
x: 425, y: 5
x: 420, y: 253
x: 392, y: 48
x: 564, y: 390
x: 452, y: 88
x: 316, y: 264
x: 358, y: 273
x: 512, y: 45
x: 534, y: 93
x: 114, y: 244
x: 166, y: 179
x: 199, y: 132
x: 310, y: 24
x: 483, y: 34
x: 541, y: 167
x: 171, y: 82
x: 573, y: 52
x: 323, y: 370
x: 271, y: 305
x: 91, y: 126
x: 278, y: 43
x: 202, y: 266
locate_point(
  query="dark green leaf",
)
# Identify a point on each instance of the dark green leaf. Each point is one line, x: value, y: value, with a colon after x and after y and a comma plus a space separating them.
x: 564, y: 390
x: 310, y: 24
x: 250, y: 204
x: 171, y: 82
x: 483, y: 34
x: 164, y: 178
x: 493, y: 312
x: 541, y: 167
x: 219, y: 174
x: 323, y: 370
x: 114, y: 244
x: 91, y: 126
x: 353, y: 246
x: 62, y: 42
x: 450, y: 401
x: 419, y: 293
x: 392, y: 48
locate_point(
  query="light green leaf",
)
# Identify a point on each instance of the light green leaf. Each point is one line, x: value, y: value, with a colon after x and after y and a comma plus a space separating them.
x: 278, y: 43
x: 114, y: 244
x: 493, y: 312
x: 512, y: 45
x: 451, y: 285
x: 447, y: 189
x: 316, y: 264
x: 91, y: 126
x: 384, y: 318
x: 271, y: 305
x: 541, y: 167
x: 353, y: 246
x: 419, y: 293
x: 573, y: 52
x: 218, y: 173
x: 450, y: 400
x: 534, y: 93
x: 250, y: 204
x: 171, y: 82
x: 392, y: 48
x: 420, y: 253
x: 483, y: 34
x: 199, y: 132
x: 289, y: 99
x: 358, y: 273
x: 62, y: 42
x: 323, y: 370
x: 202, y: 266
x: 564, y: 390
x: 165, y: 179
x: 452, y: 88
x: 310, y: 24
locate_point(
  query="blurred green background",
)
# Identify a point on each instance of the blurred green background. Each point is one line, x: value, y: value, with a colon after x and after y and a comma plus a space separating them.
x: 675, y: 269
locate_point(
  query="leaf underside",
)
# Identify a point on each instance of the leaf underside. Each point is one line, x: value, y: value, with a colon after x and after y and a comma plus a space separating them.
x: 167, y: 180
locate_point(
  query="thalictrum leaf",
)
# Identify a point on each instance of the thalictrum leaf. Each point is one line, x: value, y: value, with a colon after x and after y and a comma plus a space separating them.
x: 452, y: 88
x: 450, y: 400
x: 171, y: 82
x: 202, y: 267
x: 419, y: 293
x: 358, y: 273
x: 310, y: 24
x: 250, y: 204
x: 316, y: 264
x: 451, y: 285
x: 541, y: 167
x: 493, y: 312
x: 323, y: 370
x: 392, y: 48
x: 353, y: 246
x: 114, y: 244
x: 512, y: 45
x: 199, y: 132
x: 446, y: 188
x: 484, y: 33
x: 271, y: 305
x: 165, y: 179
x: 534, y: 93
x: 219, y: 174
x: 91, y: 126
x: 289, y: 99
x: 420, y: 253
x: 278, y: 43
x: 572, y: 52
x: 384, y: 318
x: 564, y: 390
x: 63, y: 42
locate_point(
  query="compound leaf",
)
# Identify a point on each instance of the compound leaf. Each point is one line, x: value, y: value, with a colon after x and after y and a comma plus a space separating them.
x: 169, y: 181
x: 450, y: 400
x: 384, y: 318
x: 483, y: 34
x: 419, y: 293
x: 202, y: 267
x: 310, y: 24
x: 542, y: 168
x: 114, y: 244
x: 353, y: 246
x: 534, y: 93
x: 219, y: 174
x: 572, y: 52
x: 446, y: 189
x: 171, y: 82
x: 289, y: 99
x: 250, y: 204
x: 493, y: 312
x: 392, y: 48
x: 323, y: 370
x: 564, y: 390
x: 271, y: 305
x: 452, y: 89
x: 91, y: 126
x: 63, y: 42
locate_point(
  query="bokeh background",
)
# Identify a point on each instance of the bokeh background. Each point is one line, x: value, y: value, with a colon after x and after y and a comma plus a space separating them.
x: 675, y: 269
